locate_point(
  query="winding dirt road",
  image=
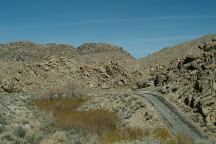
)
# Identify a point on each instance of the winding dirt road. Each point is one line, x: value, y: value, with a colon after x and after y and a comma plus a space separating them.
x: 176, y: 121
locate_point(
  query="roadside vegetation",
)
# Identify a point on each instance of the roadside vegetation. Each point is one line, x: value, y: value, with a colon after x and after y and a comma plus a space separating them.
x: 126, y: 134
x: 165, y: 136
x: 63, y: 104
x: 105, y: 124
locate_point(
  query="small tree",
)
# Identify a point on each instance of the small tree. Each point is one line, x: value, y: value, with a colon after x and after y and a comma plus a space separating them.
x: 72, y: 90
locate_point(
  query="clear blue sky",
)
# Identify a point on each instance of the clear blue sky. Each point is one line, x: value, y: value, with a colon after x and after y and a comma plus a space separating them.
x: 140, y: 26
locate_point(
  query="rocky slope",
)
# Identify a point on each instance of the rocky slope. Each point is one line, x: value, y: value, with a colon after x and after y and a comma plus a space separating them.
x: 26, y: 66
x: 168, y: 54
x: 191, y: 83
x: 109, y: 73
x: 29, y: 71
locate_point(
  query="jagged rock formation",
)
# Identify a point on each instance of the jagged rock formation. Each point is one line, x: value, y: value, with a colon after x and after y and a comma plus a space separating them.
x: 191, y: 82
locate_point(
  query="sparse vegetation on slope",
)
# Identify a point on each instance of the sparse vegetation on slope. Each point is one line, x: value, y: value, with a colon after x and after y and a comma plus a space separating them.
x: 58, y: 104
x: 191, y: 83
x: 109, y: 113
x: 127, y: 134
x: 165, y: 136
x: 94, y: 121
x: 101, y: 122
x: 168, y: 54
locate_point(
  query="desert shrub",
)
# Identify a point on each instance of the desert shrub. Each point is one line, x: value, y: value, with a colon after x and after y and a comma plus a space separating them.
x: 94, y: 121
x: 9, y: 138
x: 72, y: 90
x: 58, y: 137
x: 162, y: 134
x: 53, y: 93
x: 126, y: 134
x: 59, y: 104
x: 20, y: 132
x: 11, y: 87
x: 165, y: 136
x: 33, y: 138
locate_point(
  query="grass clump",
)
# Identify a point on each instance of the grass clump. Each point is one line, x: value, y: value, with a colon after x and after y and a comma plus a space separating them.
x: 59, y: 104
x: 127, y: 134
x: 165, y: 136
x: 94, y: 121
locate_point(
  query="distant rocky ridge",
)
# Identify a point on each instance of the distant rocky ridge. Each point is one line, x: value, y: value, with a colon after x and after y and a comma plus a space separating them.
x: 26, y: 66
x: 30, y: 52
x: 168, y: 54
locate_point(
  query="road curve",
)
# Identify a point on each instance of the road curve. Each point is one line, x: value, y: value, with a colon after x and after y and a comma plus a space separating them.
x: 170, y: 114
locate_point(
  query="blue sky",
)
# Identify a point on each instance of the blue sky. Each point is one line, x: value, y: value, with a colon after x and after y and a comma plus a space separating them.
x: 140, y: 26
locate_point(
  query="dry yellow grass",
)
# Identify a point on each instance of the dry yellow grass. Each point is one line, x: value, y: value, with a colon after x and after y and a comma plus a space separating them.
x: 182, y: 138
x: 126, y: 134
x: 165, y: 136
x: 103, y: 123
x: 59, y: 104
x: 94, y: 121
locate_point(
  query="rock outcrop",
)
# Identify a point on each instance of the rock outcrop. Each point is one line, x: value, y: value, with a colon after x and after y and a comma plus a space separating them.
x: 191, y: 82
x: 27, y: 67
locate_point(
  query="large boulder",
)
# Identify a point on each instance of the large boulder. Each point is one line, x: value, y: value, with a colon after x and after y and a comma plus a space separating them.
x: 143, y: 84
x: 160, y: 79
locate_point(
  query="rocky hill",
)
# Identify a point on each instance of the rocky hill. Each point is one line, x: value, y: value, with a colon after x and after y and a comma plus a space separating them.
x: 32, y: 71
x: 30, y: 67
x: 168, y: 54
x: 190, y: 82
x: 103, y: 76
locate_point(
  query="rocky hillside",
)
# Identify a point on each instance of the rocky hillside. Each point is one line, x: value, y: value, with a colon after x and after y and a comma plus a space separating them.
x: 26, y: 66
x: 166, y: 55
x: 190, y: 82
x: 31, y: 72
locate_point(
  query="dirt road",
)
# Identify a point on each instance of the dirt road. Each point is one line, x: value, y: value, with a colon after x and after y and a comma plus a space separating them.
x: 176, y: 121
